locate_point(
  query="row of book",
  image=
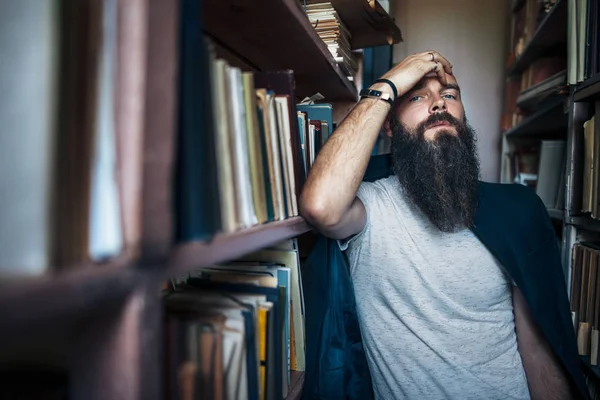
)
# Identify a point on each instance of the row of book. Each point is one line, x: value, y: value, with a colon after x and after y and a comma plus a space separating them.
x: 72, y: 194
x: 62, y: 193
x: 244, y: 146
x: 541, y: 167
x: 236, y: 331
x: 332, y: 30
x: 582, y: 40
x: 585, y: 298
x: 524, y: 24
x: 591, y: 167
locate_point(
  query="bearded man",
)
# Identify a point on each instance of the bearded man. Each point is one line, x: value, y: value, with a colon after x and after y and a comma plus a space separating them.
x: 439, y: 316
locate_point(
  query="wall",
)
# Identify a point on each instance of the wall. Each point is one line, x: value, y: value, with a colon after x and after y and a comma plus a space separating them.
x: 472, y: 35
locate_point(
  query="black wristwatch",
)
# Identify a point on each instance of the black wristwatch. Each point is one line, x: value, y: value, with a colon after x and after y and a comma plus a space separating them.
x: 377, y: 94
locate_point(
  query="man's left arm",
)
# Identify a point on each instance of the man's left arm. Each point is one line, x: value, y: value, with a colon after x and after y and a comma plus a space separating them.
x: 546, y: 377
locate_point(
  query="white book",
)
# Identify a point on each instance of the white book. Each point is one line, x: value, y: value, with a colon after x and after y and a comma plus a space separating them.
x: 223, y: 141
x: 285, y: 136
x: 105, y: 236
x: 245, y: 202
x: 279, y: 205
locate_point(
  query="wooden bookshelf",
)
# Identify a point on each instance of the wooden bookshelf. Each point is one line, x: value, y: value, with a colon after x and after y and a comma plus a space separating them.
x: 368, y: 22
x: 547, y: 118
x: 551, y: 33
x: 296, y: 385
x: 37, y: 301
x: 585, y: 222
x: 225, y: 247
x: 554, y: 85
x: 585, y: 360
x: 588, y: 90
x: 558, y: 215
x: 271, y: 36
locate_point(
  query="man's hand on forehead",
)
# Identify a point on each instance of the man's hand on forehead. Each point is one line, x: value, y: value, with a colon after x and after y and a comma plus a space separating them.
x: 410, y: 71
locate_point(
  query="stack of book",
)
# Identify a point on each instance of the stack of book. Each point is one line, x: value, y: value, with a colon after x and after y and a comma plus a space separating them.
x: 585, y: 298
x: 333, y: 32
x: 236, y: 330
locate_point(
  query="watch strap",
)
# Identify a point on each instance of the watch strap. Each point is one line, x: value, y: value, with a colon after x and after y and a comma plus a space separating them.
x: 377, y: 94
x: 390, y: 84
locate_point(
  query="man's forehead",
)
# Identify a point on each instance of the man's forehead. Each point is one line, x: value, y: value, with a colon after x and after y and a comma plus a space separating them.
x: 432, y: 80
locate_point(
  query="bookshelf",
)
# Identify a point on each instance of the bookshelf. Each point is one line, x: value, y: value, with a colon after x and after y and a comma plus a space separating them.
x: 587, y: 90
x: 226, y: 247
x: 580, y: 229
x: 550, y: 116
x: 372, y: 24
x: 266, y: 46
x: 551, y: 32
x: 101, y: 324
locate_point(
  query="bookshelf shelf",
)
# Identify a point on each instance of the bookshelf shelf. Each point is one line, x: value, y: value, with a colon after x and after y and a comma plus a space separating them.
x: 367, y: 21
x: 554, y: 85
x: 593, y: 368
x: 296, y: 384
x: 588, y: 89
x: 552, y: 31
x: 585, y: 222
x: 56, y: 300
x: 225, y: 247
x: 548, y: 117
x: 284, y: 40
x: 556, y: 214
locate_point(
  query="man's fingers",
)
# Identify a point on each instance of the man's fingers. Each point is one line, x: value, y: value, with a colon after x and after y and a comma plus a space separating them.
x: 439, y: 70
x: 435, y: 56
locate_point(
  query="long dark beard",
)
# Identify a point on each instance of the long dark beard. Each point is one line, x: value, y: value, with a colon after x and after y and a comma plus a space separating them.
x: 439, y: 176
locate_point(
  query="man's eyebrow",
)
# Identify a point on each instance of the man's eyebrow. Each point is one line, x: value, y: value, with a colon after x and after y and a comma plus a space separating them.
x: 451, y: 86
x: 447, y: 86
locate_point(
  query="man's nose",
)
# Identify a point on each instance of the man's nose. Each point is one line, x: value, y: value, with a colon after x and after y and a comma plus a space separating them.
x: 438, y: 105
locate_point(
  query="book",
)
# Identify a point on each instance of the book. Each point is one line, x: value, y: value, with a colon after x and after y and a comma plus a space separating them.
x: 197, y: 202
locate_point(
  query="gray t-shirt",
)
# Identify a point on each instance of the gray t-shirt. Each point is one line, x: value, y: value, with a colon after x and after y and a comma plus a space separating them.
x: 435, y: 308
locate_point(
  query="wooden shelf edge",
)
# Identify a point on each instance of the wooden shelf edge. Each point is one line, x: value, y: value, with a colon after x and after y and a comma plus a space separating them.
x: 226, y: 247
x: 543, y: 90
x: 585, y: 222
x: 550, y: 107
x: 517, y: 66
x: 585, y: 360
x: 556, y: 214
x: 52, y: 299
x: 296, y: 386
x: 588, y: 89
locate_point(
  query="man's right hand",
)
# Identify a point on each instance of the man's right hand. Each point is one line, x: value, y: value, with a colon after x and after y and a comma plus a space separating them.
x: 412, y: 69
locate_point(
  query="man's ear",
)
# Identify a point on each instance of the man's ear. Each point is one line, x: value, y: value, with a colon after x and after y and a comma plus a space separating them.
x: 387, y: 125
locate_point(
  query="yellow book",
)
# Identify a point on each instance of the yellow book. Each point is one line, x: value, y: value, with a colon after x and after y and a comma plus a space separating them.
x: 262, y: 350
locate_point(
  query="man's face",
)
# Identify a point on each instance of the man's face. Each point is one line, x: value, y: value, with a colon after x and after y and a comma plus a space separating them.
x: 427, y: 98
x: 434, y: 153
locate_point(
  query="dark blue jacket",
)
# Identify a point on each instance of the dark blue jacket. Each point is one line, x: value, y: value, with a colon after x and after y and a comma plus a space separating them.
x: 511, y: 221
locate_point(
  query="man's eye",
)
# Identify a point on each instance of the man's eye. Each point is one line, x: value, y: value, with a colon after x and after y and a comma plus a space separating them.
x: 414, y: 98
x: 450, y: 96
